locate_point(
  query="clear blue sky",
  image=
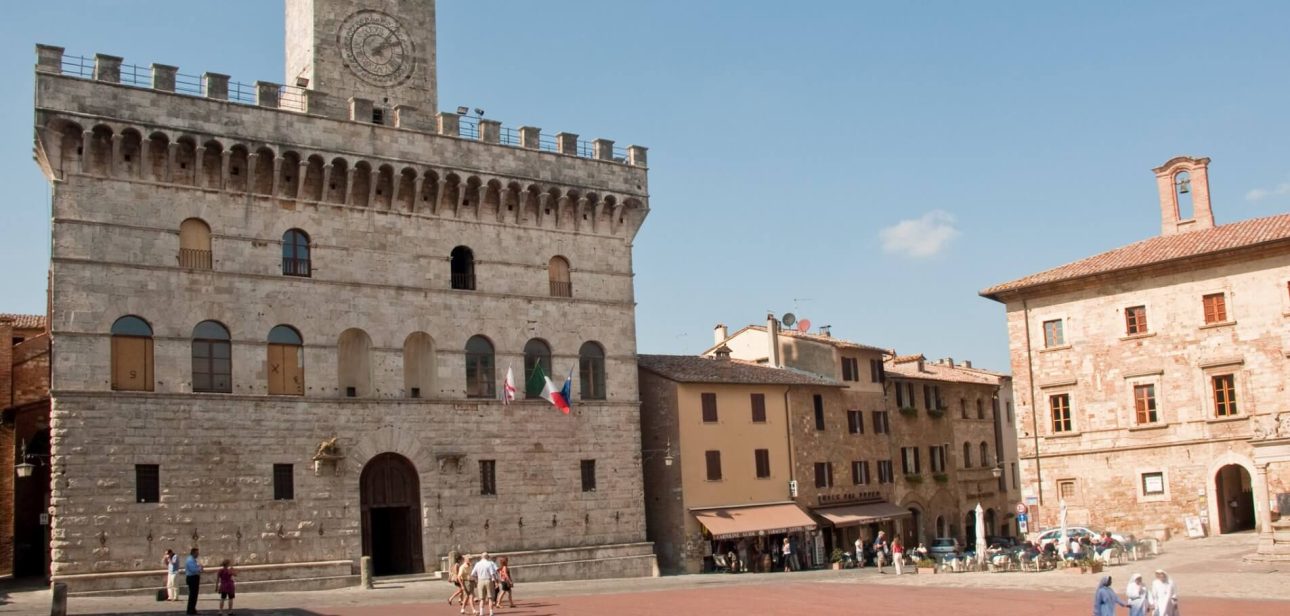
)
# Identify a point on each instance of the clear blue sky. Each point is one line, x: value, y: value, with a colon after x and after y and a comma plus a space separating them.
x: 785, y: 137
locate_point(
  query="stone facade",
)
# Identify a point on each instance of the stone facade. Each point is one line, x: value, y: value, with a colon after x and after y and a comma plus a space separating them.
x: 1125, y: 362
x: 386, y: 204
x: 24, y: 400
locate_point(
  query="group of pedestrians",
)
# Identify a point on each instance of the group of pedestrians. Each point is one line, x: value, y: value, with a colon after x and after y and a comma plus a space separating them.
x: 1160, y: 599
x: 192, y: 569
x: 481, y: 584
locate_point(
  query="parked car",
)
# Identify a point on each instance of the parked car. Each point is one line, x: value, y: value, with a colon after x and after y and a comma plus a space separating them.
x: 1001, y: 541
x: 944, y: 546
x: 1073, y: 532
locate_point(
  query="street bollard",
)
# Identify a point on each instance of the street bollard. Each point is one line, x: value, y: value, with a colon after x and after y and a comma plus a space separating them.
x: 365, y: 571
x: 59, y: 608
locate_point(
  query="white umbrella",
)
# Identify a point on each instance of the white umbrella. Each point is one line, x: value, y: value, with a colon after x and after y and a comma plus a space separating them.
x: 1062, y: 544
x: 980, y: 534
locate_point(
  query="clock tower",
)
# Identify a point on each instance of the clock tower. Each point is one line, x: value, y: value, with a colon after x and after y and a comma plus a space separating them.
x: 379, y: 50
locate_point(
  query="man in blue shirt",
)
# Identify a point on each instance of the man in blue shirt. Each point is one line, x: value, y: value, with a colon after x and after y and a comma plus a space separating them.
x: 193, y: 571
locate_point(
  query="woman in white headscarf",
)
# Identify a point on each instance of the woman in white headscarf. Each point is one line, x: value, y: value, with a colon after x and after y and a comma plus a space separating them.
x: 1164, y: 595
x: 1138, y: 595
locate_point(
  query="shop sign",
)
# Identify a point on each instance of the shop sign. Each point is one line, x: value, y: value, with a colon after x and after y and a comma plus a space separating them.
x: 850, y: 498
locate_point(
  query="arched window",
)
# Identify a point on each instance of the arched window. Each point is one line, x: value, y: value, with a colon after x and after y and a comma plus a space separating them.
x: 463, y: 268
x: 985, y: 455
x: 479, y: 368
x: 212, y: 358
x: 536, y: 353
x: 286, y: 365
x: 354, y: 363
x: 131, y: 354
x: 967, y: 455
x: 591, y: 371
x: 561, y: 285
x: 295, y: 253
x: 418, y: 365
x: 194, y: 244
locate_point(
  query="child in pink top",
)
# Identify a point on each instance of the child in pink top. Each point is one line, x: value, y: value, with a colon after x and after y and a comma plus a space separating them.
x: 226, y: 586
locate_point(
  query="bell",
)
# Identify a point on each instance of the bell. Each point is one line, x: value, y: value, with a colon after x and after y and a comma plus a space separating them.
x: 1184, y: 186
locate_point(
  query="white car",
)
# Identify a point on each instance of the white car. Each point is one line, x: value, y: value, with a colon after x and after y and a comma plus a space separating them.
x: 1073, y: 532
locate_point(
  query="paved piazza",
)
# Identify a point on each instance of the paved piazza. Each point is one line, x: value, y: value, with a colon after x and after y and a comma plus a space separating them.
x: 1210, y: 573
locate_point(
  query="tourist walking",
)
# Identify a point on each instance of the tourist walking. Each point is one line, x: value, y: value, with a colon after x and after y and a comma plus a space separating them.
x: 171, y: 562
x: 1105, y: 600
x: 1164, y: 595
x: 485, y: 574
x: 506, y: 582
x: 193, y: 576
x: 787, y: 555
x: 467, y: 584
x: 859, y: 556
x: 880, y: 550
x: 454, y: 576
x: 897, y: 554
x: 226, y: 586
x: 1138, y: 595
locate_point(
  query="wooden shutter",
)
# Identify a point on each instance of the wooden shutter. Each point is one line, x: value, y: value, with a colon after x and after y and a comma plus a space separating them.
x: 131, y: 363
x: 286, y: 370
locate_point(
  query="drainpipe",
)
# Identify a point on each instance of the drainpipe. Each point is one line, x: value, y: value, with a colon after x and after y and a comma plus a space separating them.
x: 788, y: 434
x: 1034, y: 406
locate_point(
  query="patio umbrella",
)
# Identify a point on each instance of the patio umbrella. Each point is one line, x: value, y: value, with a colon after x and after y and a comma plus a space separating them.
x: 980, y: 534
x: 1061, y: 522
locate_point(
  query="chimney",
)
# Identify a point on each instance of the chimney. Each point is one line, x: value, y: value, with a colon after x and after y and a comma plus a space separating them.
x: 722, y: 353
x: 772, y: 341
x: 949, y: 361
x: 967, y: 363
x: 826, y: 331
x: 720, y: 333
x: 921, y: 363
x: 1183, y: 183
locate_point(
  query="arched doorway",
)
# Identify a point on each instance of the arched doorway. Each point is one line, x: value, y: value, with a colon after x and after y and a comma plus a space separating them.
x: 941, y: 530
x: 914, y: 532
x: 390, y: 496
x: 989, y: 522
x: 31, y: 500
x: 1235, y: 497
x: 969, y: 527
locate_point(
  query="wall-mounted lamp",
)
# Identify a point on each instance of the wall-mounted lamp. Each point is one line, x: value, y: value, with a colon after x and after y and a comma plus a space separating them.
x: 666, y: 451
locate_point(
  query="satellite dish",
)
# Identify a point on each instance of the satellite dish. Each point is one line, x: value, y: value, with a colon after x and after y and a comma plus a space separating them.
x: 804, y: 325
x: 789, y: 319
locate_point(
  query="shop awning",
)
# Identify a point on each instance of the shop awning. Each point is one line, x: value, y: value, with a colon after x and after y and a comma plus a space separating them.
x: 854, y: 515
x: 732, y: 522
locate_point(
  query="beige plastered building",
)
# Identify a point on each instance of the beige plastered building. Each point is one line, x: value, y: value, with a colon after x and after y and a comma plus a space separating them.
x: 1150, y: 379
x: 282, y: 315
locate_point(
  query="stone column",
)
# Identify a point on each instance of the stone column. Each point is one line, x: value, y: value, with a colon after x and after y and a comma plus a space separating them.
x: 396, y: 190
x: 349, y: 186
x: 115, y: 166
x: 1262, y: 504
x: 567, y: 143
x: 225, y: 161
x: 267, y: 93
x: 49, y: 59
x: 216, y: 86
x: 449, y: 124
x: 163, y: 77
x: 300, y: 180
x: 375, y: 176
x: 604, y: 149
x: 172, y: 150
x: 107, y: 68
x: 277, y: 176
x: 490, y: 131
x: 530, y: 137
x: 251, y: 159
x: 636, y: 155
x: 87, y: 140
x: 326, y: 183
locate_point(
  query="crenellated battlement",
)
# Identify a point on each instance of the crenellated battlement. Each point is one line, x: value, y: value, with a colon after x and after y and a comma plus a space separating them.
x: 299, y: 100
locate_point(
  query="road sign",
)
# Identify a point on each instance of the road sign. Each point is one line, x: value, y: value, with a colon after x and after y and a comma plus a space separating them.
x: 1022, y: 509
x: 1022, y: 526
x: 1021, y: 517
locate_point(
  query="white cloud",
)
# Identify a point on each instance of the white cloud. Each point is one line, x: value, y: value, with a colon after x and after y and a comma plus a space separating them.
x: 921, y: 237
x: 1259, y: 194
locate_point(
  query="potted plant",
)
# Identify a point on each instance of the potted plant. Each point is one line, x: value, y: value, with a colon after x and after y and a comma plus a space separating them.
x: 941, y: 477
x: 937, y: 412
x: 925, y: 565
x: 908, y: 411
x: 836, y: 558
x: 913, y: 479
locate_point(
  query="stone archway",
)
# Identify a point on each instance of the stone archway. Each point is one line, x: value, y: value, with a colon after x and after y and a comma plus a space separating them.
x: 390, y: 498
x: 1234, y: 497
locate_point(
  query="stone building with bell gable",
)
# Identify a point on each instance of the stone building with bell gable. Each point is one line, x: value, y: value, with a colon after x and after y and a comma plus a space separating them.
x: 282, y: 316
x: 1150, y: 379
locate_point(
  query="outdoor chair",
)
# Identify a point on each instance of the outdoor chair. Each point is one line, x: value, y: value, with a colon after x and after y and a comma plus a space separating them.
x: 719, y: 563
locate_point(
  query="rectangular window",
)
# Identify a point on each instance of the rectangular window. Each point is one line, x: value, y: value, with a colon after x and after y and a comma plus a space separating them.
x: 860, y: 473
x: 927, y: 397
x: 850, y: 369
x: 1066, y: 489
x: 488, y: 477
x: 1144, y: 403
x: 963, y: 408
x: 1135, y: 320
x: 588, y: 468
x: 284, y: 482
x: 819, y: 411
x: 910, y: 461
x: 875, y: 371
x: 823, y: 474
x: 880, y: 424
x: 884, y: 472
x: 1061, y: 407
x: 147, y: 483
x: 936, y: 455
x: 936, y: 398
x: 709, y: 407
x: 855, y: 422
x: 758, y: 407
x: 1224, y: 395
x: 900, y: 395
x: 762, y: 459
x: 1053, y: 335
x: 980, y: 408
x: 1153, y: 484
x: 1215, y: 308
x: 713, y: 459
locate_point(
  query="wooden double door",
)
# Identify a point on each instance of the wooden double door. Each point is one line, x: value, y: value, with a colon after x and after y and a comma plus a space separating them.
x: 390, y: 495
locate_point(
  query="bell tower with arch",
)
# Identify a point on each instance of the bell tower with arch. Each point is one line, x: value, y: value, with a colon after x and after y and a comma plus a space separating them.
x: 378, y: 50
x: 1184, y: 195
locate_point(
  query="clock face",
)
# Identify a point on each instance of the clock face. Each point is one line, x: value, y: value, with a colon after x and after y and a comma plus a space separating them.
x: 375, y: 46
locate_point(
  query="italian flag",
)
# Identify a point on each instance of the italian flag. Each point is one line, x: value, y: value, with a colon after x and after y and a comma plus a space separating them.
x: 541, y: 384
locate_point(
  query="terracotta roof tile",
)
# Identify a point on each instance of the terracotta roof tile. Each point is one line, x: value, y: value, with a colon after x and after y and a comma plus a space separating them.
x: 24, y: 321
x: 696, y: 369
x: 1243, y: 234
x: 933, y: 371
x: 829, y: 340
